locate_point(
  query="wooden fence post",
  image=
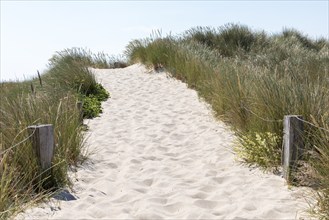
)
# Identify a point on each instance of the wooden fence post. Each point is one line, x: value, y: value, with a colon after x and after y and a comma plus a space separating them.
x: 42, y: 137
x: 293, y: 144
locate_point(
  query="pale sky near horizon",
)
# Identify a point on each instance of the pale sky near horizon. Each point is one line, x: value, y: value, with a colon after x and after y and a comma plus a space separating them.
x: 32, y: 31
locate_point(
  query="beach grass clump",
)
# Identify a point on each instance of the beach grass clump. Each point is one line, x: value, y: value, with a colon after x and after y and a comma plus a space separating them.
x: 20, y: 173
x: 82, y: 57
x: 230, y: 40
x: 252, y: 80
x: 320, y: 163
x: 50, y: 98
x: 71, y: 68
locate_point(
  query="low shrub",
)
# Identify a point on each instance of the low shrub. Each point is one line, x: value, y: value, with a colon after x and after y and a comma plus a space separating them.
x: 92, y: 101
x: 91, y: 107
x: 99, y: 92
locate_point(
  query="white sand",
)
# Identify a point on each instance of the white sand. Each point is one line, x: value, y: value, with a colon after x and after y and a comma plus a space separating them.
x: 161, y: 155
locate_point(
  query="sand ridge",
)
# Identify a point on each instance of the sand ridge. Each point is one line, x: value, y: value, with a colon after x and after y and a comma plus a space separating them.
x: 160, y: 154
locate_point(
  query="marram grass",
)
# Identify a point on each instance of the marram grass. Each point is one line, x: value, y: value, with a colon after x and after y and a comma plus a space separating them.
x: 50, y: 98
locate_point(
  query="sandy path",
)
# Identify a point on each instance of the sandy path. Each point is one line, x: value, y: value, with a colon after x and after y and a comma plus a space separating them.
x: 161, y: 155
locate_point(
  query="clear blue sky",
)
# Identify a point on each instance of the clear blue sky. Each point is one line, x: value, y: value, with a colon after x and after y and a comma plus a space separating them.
x: 32, y: 31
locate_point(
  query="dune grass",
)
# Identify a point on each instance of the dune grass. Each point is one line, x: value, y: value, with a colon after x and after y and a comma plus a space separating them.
x: 47, y: 99
x: 252, y: 80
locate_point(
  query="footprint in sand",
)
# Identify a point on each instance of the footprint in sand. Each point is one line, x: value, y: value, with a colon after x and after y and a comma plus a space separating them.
x: 200, y: 195
x: 148, y: 182
x: 206, y: 204
x: 158, y: 200
x: 135, y: 161
x: 113, y: 165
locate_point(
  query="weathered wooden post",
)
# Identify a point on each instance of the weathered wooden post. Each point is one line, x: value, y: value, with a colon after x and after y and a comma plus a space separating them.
x: 293, y: 144
x: 42, y: 137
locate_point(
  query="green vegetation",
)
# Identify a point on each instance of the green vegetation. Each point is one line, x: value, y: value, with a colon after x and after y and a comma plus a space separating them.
x: 48, y: 99
x: 259, y: 148
x: 252, y: 80
x: 91, y: 107
x: 92, y: 101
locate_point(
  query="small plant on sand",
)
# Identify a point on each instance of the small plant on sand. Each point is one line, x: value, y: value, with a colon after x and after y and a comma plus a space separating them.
x: 99, y: 92
x: 92, y: 101
x: 259, y: 148
x: 91, y: 107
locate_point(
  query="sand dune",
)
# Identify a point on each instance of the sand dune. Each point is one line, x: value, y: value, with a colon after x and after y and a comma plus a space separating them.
x: 160, y: 154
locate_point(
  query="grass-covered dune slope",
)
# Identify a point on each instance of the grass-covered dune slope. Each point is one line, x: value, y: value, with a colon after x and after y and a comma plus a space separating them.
x: 252, y: 80
x: 48, y: 99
